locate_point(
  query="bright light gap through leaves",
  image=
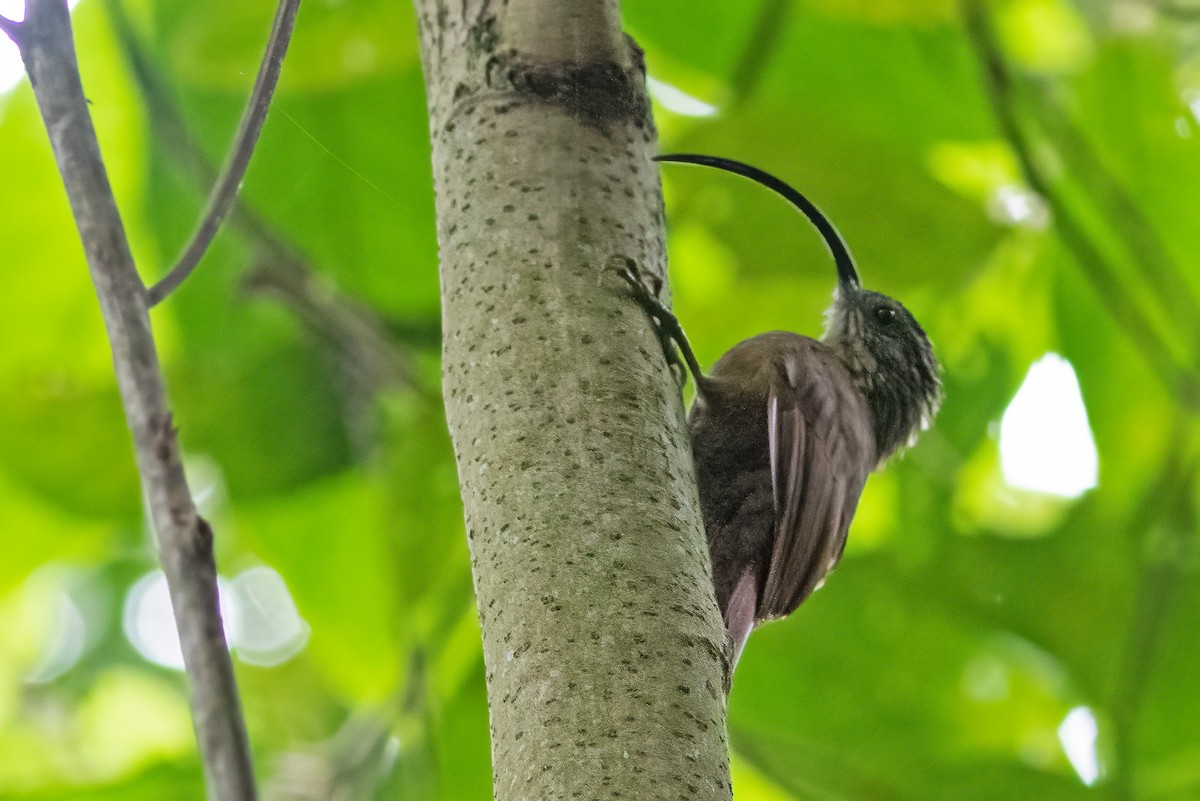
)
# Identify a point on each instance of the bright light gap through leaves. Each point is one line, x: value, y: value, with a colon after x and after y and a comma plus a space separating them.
x: 1078, y: 733
x: 674, y: 99
x: 261, y: 620
x: 1046, y: 444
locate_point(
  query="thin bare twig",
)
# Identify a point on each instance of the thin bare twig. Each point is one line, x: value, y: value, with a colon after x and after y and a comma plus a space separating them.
x: 280, y: 270
x: 1096, y: 267
x: 230, y: 180
x: 184, y: 538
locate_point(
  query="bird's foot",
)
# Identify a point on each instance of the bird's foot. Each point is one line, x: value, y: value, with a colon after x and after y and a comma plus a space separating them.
x: 646, y: 290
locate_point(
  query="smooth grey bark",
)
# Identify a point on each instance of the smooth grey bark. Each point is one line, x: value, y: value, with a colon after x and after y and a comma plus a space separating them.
x: 603, y: 645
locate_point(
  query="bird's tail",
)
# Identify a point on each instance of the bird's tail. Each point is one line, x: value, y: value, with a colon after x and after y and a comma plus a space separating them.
x: 739, y: 614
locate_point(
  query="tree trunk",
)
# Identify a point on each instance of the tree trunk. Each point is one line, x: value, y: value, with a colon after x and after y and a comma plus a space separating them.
x: 602, y: 641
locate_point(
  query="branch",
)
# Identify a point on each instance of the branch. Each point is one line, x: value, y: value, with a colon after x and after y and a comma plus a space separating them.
x: 760, y: 48
x: 376, y: 362
x: 1176, y: 11
x: 11, y: 27
x: 165, y: 117
x: 184, y: 538
x: 1148, y: 249
x: 281, y: 271
x: 1096, y: 268
x: 1168, y: 518
x: 355, y: 762
x: 230, y: 180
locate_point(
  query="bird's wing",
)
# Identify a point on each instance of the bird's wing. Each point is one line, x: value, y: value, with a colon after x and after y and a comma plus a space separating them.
x: 821, y: 449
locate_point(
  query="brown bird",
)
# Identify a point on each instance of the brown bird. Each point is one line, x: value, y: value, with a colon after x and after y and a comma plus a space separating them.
x: 786, y: 428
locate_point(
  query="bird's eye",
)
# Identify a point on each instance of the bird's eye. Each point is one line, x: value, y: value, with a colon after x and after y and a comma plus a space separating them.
x: 885, y: 314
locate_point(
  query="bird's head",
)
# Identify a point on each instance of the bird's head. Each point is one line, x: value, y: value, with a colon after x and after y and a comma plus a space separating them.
x: 890, y: 359
x: 877, y: 339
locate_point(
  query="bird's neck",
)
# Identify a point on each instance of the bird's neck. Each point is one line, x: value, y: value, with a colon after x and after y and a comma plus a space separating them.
x: 894, y: 397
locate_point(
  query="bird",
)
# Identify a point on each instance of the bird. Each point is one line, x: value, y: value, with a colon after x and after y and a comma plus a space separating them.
x: 785, y: 428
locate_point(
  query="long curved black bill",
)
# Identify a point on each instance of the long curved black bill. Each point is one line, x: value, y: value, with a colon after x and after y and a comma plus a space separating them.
x: 847, y: 273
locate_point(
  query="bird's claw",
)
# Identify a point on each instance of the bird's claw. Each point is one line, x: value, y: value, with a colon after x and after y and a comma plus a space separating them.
x: 646, y: 289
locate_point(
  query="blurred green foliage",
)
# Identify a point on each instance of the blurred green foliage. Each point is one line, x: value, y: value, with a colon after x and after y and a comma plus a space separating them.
x: 967, y: 620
